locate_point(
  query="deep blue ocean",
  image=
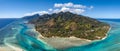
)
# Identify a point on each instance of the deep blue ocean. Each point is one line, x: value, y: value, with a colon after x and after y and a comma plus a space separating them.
x: 19, y: 34
x: 6, y: 21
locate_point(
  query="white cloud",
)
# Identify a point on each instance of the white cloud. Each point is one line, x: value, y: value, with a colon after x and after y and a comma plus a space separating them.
x: 58, y: 5
x: 43, y: 12
x: 73, y: 10
x: 68, y: 4
x: 64, y: 7
x: 78, y: 11
x: 56, y: 10
x: 71, y: 7
x: 79, y: 6
x: 91, y: 7
x: 38, y: 12
x: 50, y: 9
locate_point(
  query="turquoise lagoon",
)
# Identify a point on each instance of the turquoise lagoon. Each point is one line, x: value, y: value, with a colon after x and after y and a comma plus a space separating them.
x: 22, y: 35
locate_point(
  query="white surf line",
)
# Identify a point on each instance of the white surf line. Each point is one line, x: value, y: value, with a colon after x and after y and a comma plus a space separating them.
x: 107, y: 33
x: 11, y: 46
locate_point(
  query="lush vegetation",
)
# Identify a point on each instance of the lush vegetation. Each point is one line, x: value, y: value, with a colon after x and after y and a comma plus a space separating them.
x: 66, y: 24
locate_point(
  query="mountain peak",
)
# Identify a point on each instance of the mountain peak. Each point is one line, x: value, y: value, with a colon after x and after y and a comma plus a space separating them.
x: 31, y: 17
x: 65, y: 12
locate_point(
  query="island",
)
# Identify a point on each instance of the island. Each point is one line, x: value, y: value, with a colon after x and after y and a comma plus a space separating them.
x: 65, y: 29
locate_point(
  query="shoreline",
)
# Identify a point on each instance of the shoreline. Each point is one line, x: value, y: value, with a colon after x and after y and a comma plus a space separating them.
x: 107, y: 33
x: 66, y: 42
x: 105, y: 36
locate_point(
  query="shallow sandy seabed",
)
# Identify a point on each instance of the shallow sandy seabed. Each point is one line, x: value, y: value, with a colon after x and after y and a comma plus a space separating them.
x: 64, y: 42
x: 6, y: 48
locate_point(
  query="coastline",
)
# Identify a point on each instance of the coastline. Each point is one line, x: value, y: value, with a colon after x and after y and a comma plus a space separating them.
x: 66, y: 42
x: 105, y: 36
x: 107, y: 33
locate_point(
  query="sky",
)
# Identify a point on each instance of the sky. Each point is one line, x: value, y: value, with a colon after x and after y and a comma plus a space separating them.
x: 91, y: 8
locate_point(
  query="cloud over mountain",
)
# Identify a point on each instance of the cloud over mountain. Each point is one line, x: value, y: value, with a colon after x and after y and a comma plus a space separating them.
x: 69, y: 5
x: 64, y: 7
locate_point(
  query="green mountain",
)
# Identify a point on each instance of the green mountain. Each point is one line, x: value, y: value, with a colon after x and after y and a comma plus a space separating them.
x: 66, y: 24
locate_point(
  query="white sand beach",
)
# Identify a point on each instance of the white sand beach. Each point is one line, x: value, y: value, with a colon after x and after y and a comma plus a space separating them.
x: 6, y: 48
x: 65, y: 42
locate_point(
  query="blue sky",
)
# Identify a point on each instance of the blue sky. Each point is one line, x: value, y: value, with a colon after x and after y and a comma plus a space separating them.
x: 18, y: 8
